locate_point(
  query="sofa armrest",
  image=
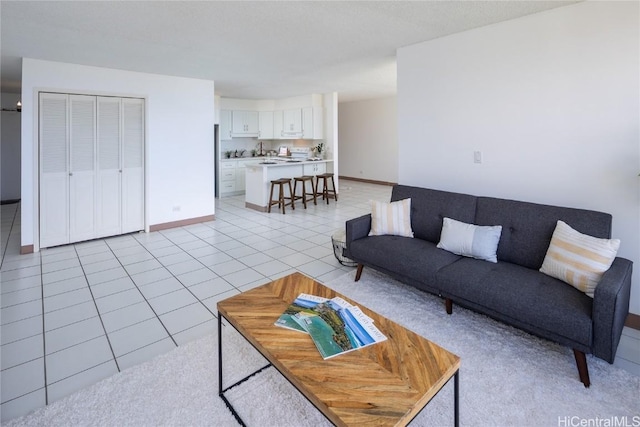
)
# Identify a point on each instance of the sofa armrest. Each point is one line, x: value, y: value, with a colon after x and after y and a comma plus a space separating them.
x: 357, y: 228
x: 610, y: 308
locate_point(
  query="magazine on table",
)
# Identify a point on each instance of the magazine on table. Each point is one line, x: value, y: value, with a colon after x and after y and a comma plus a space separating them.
x: 302, y: 304
x: 335, y: 326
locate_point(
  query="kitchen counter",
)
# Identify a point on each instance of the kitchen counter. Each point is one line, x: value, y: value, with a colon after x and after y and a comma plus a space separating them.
x: 278, y: 161
x: 259, y: 176
x: 232, y: 159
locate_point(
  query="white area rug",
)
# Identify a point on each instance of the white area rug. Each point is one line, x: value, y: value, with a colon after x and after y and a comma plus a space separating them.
x: 507, y: 377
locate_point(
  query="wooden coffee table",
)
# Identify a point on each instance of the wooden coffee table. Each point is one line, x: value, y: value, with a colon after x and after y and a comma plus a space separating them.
x: 387, y: 383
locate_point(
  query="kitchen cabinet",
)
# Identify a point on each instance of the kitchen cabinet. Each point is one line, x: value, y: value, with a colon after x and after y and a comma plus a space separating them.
x: 227, y: 177
x: 265, y: 125
x: 299, y: 123
x: 244, y: 123
x: 314, y: 168
x: 278, y: 123
x: 292, y: 123
x: 312, y: 123
x: 287, y: 124
x: 232, y: 176
x: 225, y: 125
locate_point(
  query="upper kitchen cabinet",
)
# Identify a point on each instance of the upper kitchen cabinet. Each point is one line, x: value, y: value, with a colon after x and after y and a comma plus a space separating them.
x: 292, y: 123
x: 225, y: 125
x: 278, y: 124
x: 299, y: 117
x: 244, y: 123
x: 287, y: 124
x: 312, y: 123
x: 265, y: 125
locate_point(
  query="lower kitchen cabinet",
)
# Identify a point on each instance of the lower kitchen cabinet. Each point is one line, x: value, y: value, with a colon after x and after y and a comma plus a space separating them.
x: 232, y: 176
x: 228, y: 177
x: 315, y: 168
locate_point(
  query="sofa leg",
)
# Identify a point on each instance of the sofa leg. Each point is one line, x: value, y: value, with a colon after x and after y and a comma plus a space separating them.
x: 359, y: 271
x: 449, y: 305
x: 583, y: 370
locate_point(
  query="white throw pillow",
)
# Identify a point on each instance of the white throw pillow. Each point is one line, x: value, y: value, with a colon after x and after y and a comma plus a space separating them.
x: 578, y: 259
x: 391, y: 218
x: 480, y: 242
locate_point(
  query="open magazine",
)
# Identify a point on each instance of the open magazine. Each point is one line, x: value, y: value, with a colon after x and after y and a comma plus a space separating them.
x: 335, y: 326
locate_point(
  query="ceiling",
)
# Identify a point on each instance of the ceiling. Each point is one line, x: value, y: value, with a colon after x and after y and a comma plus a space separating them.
x: 251, y: 49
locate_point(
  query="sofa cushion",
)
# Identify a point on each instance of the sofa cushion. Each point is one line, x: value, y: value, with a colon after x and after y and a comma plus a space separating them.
x: 430, y: 207
x: 527, y: 227
x: 480, y: 242
x: 548, y: 306
x: 391, y: 218
x: 415, y: 259
x: 578, y: 259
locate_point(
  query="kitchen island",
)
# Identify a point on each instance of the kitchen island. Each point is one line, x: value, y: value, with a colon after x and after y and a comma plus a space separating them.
x: 260, y: 174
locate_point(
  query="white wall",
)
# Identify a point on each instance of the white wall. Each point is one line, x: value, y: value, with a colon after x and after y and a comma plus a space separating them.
x: 551, y: 100
x: 369, y: 139
x: 10, y: 148
x: 180, y: 136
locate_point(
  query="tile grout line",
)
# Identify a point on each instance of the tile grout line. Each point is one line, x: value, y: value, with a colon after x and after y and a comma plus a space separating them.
x: 98, y: 311
x: 44, y: 341
x: 138, y: 289
x: 13, y: 220
x: 197, y: 260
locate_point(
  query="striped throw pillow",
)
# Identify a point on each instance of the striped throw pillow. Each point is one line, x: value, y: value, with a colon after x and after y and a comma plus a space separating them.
x: 391, y: 218
x: 578, y: 259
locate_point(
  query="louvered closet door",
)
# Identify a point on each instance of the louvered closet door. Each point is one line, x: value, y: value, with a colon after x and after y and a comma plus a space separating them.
x: 82, y: 177
x: 54, y: 172
x: 133, y: 165
x: 108, y: 203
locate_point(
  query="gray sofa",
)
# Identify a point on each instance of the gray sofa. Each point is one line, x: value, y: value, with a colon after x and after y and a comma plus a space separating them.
x: 511, y: 290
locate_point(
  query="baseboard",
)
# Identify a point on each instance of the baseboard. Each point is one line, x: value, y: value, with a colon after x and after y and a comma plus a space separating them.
x: 255, y: 207
x: 368, y: 181
x: 181, y: 223
x: 28, y: 249
x: 633, y: 321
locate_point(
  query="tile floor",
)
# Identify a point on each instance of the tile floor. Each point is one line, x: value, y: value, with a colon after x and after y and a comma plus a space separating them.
x: 75, y: 314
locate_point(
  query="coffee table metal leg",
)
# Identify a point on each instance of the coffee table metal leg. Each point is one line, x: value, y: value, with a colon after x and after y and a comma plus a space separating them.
x: 456, y: 413
x: 219, y: 355
x: 221, y: 389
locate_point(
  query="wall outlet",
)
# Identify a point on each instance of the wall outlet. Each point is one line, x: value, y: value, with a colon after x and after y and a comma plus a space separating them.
x: 477, y: 157
x: 176, y: 208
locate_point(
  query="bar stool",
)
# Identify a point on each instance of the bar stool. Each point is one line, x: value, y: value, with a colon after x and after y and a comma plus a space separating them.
x: 325, y: 187
x: 280, y: 201
x: 312, y: 194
